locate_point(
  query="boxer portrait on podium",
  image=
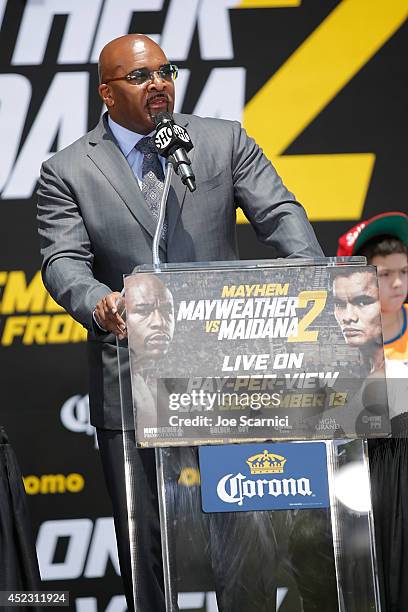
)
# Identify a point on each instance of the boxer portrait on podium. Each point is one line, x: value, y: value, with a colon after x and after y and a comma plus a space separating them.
x: 358, y: 314
x: 97, y: 214
x: 150, y: 324
x: 357, y: 311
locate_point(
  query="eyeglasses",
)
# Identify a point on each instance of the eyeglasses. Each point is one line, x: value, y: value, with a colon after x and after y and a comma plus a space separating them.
x: 167, y: 72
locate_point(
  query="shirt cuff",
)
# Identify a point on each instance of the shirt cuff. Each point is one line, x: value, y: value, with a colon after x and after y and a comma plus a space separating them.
x: 100, y: 326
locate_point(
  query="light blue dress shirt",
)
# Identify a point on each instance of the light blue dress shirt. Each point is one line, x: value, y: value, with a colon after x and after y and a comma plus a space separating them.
x: 127, y: 140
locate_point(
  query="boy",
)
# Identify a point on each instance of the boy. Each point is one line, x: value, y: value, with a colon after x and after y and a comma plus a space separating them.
x: 383, y: 240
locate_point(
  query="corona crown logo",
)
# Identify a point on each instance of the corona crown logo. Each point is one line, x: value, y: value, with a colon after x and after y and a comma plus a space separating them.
x: 266, y: 463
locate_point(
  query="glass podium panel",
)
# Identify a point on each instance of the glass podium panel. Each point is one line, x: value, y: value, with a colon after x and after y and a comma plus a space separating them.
x: 291, y: 560
x: 277, y: 332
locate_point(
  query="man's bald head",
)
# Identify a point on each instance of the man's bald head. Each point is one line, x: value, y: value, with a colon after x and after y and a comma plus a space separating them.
x: 132, y: 105
x: 111, y: 58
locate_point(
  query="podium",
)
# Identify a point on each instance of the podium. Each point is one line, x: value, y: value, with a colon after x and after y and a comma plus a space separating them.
x: 257, y: 385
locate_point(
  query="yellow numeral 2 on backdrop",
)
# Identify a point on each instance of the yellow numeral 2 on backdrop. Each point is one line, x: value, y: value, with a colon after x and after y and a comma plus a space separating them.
x: 319, y: 299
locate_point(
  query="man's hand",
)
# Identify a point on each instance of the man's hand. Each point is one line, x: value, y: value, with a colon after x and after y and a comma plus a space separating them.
x: 107, y: 314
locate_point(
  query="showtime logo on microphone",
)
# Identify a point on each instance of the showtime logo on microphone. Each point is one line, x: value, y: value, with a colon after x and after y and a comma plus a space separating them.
x: 163, y: 138
x: 170, y: 136
x: 181, y: 133
x: 275, y: 477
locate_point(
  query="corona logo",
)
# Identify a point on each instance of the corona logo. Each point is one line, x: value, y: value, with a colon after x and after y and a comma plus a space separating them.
x: 266, y: 463
x: 234, y: 488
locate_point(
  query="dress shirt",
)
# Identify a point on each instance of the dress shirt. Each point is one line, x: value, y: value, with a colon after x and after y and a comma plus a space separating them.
x: 127, y: 140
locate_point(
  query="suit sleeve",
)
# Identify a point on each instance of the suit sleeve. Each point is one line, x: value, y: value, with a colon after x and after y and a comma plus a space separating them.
x: 277, y: 218
x: 66, y: 249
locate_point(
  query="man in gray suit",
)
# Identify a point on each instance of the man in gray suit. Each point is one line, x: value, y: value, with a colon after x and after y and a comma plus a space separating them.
x: 96, y: 224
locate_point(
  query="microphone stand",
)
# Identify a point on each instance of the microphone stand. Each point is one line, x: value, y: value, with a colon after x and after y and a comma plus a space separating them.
x: 162, y: 215
x: 159, y: 452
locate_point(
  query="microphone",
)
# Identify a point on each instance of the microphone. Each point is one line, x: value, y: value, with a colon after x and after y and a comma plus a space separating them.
x: 173, y: 142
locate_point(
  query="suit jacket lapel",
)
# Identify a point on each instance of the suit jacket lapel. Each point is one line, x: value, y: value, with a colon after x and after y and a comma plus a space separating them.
x: 177, y: 192
x: 109, y: 159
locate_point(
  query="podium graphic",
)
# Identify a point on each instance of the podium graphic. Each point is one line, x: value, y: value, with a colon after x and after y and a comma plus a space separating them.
x: 258, y: 384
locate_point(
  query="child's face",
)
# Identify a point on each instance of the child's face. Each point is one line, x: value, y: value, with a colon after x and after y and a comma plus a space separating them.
x: 392, y: 280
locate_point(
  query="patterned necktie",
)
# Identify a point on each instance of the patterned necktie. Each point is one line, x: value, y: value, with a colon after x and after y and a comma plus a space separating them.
x: 152, y: 177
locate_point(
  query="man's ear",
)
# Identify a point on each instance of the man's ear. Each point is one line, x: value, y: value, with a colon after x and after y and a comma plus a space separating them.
x: 105, y: 93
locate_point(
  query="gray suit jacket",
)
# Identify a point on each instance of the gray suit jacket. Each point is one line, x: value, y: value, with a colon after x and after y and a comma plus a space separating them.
x: 95, y: 226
